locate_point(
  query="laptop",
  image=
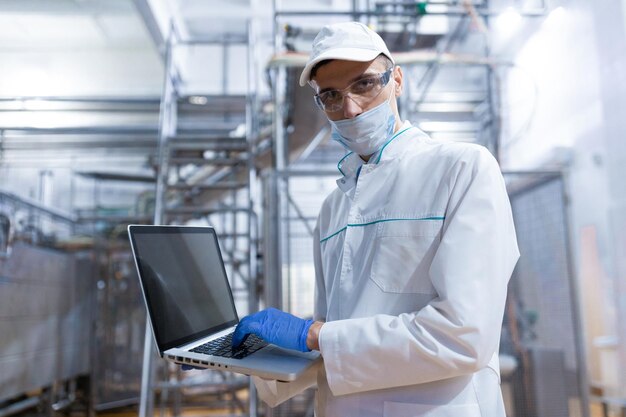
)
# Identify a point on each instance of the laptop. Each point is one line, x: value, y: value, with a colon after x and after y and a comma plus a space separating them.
x: 191, y: 308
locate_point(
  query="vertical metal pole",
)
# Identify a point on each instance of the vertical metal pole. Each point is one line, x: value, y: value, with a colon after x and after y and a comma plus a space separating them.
x: 96, y: 200
x: 285, y: 222
x: 225, y: 55
x: 494, y: 113
x: 273, y: 259
x: 72, y: 191
x: 233, y: 226
x: 583, y: 383
x: 280, y: 164
x: 271, y: 255
x: 252, y: 137
x: 166, y: 125
x: 41, y: 196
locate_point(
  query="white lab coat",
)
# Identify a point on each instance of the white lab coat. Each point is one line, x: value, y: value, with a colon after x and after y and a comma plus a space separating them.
x: 413, y: 254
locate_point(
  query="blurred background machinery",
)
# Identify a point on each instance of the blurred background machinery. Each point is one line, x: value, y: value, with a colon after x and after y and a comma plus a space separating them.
x: 189, y: 112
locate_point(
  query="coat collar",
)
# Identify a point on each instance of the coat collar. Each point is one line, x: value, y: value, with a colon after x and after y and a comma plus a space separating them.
x: 350, y: 165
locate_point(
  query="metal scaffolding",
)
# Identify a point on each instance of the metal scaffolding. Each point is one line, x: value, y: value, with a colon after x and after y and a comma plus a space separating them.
x: 468, y: 115
x: 208, y: 175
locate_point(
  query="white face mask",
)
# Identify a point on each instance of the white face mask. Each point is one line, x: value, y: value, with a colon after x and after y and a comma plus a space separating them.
x: 368, y: 132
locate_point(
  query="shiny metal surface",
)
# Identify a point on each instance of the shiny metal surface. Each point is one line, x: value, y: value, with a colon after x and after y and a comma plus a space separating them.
x: 45, y: 317
x: 119, y: 329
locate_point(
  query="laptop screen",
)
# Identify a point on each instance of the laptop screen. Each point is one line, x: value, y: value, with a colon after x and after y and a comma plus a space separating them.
x: 184, y: 282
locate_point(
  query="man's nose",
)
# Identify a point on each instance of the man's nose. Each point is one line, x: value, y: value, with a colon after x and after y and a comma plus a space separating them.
x: 351, y: 108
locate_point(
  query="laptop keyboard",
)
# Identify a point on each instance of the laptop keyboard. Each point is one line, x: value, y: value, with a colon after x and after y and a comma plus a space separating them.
x: 223, y: 347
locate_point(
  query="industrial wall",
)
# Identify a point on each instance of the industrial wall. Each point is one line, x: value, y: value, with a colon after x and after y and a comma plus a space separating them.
x: 569, y: 84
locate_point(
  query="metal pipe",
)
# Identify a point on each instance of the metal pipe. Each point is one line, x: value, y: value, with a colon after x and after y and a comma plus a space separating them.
x: 574, y: 290
x: 217, y: 40
x: 314, y: 143
x: 355, y: 8
x: 453, y: 12
x: 34, y: 204
x: 252, y: 134
x: 118, y: 130
x: 20, y: 406
x: 151, y: 24
x: 493, y: 99
x: 285, y: 237
x: 116, y: 219
x: 64, y: 403
x: 433, y: 68
x: 295, y: 59
x: 300, y: 215
x: 146, y: 404
x: 79, y: 99
x: 206, y: 211
x: 225, y: 55
x: 278, y: 186
x: 290, y: 172
x: 415, y: 3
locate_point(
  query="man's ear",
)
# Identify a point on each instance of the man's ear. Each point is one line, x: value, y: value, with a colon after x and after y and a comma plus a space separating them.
x: 398, y: 78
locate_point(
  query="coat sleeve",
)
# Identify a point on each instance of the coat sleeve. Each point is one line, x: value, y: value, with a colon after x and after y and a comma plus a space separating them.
x: 273, y: 392
x: 458, y: 332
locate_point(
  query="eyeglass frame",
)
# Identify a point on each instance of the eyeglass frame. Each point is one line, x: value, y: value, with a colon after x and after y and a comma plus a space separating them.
x: 384, y: 77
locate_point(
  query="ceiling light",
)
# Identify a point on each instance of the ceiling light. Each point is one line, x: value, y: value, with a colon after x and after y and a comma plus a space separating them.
x: 198, y: 100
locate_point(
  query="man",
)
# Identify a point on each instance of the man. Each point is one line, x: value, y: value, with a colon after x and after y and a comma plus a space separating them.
x: 413, y: 253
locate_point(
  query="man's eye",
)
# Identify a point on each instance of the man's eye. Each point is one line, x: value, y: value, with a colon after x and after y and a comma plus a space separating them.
x: 330, y: 96
x: 363, y: 85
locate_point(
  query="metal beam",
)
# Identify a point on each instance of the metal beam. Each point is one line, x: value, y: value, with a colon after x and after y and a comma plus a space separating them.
x: 149, y: 20
x: 453, y: 11
x: 34, y: 204
x: 20, y: 406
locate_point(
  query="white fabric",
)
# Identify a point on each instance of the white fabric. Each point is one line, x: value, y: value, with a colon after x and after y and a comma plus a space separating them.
x: 366, y: 133
x: 412, y: 265
x: 348, y: 41
x: 276, y: 392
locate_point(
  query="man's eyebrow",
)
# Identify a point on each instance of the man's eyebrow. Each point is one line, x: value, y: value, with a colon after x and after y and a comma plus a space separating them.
x: 367, y: 73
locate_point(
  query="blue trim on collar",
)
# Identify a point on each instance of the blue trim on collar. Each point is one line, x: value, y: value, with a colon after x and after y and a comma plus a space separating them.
x: 389, y: 141
x: 341, y: 160
x: 380, y: 153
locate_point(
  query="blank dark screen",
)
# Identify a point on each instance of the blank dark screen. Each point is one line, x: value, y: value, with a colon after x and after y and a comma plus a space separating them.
x: 185, y: 283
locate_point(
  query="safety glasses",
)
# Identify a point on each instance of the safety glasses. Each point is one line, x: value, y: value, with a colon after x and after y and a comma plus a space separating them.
x: 362, y: 91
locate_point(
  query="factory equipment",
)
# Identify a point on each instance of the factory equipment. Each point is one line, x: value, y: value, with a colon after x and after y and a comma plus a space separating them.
x: 210, y: 149
x: 542, y: 328
x: 46, y: 295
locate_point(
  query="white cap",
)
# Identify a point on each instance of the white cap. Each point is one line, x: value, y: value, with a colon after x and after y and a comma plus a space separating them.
x: 349, y: 41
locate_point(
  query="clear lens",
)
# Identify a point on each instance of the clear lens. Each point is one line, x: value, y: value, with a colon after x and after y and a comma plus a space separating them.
x: 362, y: 91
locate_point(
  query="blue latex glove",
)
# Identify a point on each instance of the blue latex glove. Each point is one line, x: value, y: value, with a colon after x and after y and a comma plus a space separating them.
x: 274, y: 326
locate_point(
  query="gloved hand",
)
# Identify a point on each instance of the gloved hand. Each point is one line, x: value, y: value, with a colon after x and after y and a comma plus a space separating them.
x: 274, y: 326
